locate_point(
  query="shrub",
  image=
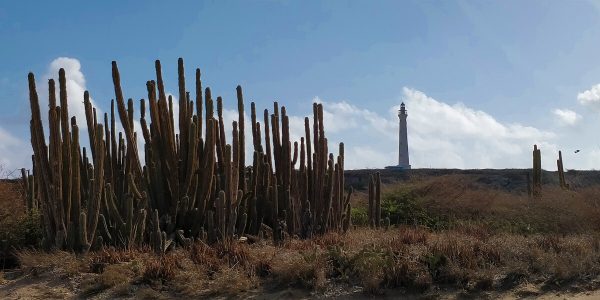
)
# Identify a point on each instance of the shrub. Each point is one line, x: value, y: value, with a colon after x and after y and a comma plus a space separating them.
x: 370, y: 265
x: 37, y: 262
x: 202, y: 254
x: 359, y: 216
x: 109, y: 256
x: 18, y: 232
x: 163, y: 268
x: 114, y: 275
x: 402, y: 207
x: 304, y: 268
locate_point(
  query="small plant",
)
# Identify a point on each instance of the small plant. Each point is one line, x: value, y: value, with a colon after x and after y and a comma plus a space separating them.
x: 435, y: 263
x: 114, y: 275
x: 340, y: 263
x: 369, y: 266
x: 109, y: 256
x: 162, y: 268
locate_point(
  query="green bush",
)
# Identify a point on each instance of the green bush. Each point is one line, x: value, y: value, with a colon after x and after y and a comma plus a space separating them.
x: 21, y: 231
x: 403, y: 207
x: 359, y: 216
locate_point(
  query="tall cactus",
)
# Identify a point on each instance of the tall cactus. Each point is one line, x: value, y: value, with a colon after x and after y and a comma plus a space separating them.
x: 29, y: 189
x: 374, y: 212
x: 70, y: 193
x: 194, y: 183
x: 537, y: 172
x: 561, y: 172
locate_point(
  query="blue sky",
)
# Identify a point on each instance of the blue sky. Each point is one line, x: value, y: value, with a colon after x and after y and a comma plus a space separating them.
x: 483, y: 80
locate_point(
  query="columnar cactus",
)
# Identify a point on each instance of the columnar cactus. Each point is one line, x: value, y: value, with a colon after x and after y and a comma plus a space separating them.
x: 374, y: 212
x: 537, y: 172
x: 561, y: 172
x: 192, y: 180
x: 70, y: 192
x: 29, y: 189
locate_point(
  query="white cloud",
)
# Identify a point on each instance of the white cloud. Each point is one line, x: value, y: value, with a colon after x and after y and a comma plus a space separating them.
x: 12, y: 153
x: 15, y: 152
x: 591, y: 96
x: 567, y: 116
x: 75, y: 87
x: 468, y: 138
x: 367, y: 157
x: 440, y: 135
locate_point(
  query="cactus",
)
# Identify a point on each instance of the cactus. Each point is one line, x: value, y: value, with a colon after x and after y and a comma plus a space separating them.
x: 537, y: 172
x: 29, y: 189
x: 386, y: 223
x: 374, y: 212
x: 529, y: 189
x: 347, y: 219
x: 194, y: 184
x: 307, y: 226
x: 561, y: 172
x: 70, y: 216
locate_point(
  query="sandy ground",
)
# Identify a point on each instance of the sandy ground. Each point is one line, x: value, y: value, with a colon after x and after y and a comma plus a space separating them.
x: 16, y: 285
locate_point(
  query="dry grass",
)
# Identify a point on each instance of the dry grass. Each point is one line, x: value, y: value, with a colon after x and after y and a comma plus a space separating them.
x: 162, y: 268
x: 410, y: 258
x: 18, y: 230
x: 458, y: 202
x: 11, y: 199
x: 108, y: 256
x: 117, y: 275
x: 491, y: 240
x: 65, y: 263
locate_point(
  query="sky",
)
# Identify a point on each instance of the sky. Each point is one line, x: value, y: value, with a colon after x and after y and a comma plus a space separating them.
x: 483, y: 81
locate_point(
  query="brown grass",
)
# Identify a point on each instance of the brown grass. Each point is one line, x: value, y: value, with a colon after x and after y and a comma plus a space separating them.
x: 65, y: 263
x: 117, y: 275
x: 492, y: 240
x: 18, y: 230
x: 12, y: 199
x: 464, y: 205
x: 410, y: 258
x: 162, y: 268
x: 108, y: 256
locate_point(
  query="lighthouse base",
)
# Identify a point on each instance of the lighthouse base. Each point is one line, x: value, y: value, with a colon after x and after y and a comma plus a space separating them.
x: 399, y: 167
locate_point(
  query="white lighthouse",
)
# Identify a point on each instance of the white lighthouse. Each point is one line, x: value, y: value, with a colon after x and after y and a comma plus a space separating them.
x: 403, y: 162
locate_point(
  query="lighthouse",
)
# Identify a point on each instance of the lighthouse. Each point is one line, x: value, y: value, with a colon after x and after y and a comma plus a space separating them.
x: 403, y: 161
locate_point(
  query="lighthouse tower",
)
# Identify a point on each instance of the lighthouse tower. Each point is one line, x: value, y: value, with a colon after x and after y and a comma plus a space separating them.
x: 403, y: 161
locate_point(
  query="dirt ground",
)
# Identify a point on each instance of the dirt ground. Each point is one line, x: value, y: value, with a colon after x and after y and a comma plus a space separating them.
x: 50, y: 286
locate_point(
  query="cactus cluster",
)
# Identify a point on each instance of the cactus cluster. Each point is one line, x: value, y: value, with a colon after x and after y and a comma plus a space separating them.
x: 29, y: 191
x: 536, y: 186
x: 193, y: 184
